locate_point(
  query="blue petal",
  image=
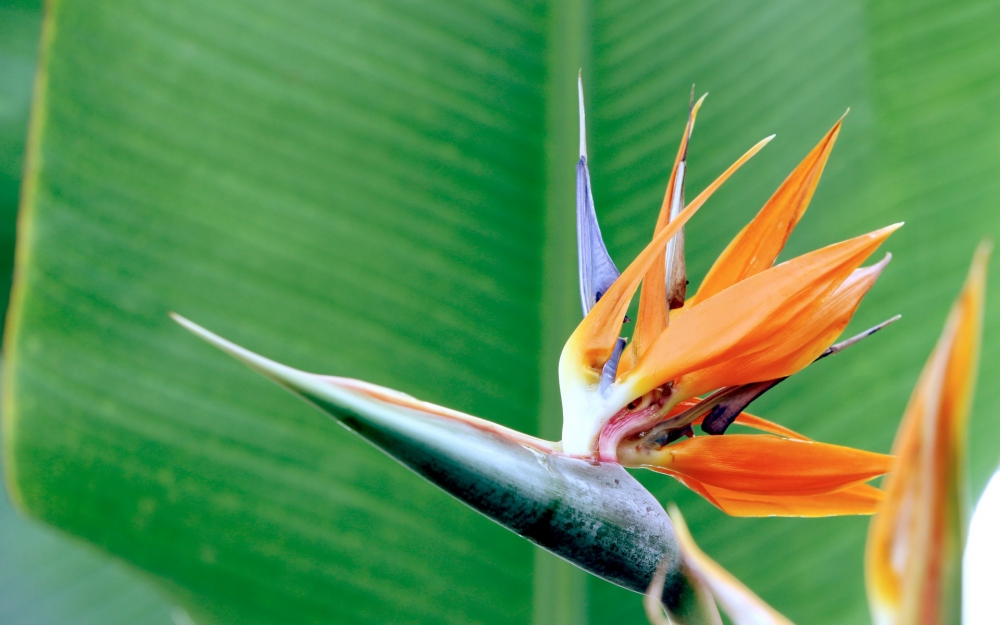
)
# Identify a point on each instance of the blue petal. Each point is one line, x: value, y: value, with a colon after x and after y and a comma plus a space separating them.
x: 597, y: 270
x: 610, y: 371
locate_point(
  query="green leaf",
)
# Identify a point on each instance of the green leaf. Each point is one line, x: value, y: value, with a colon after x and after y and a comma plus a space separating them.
x: 385, y: 191
x: 45, y: 577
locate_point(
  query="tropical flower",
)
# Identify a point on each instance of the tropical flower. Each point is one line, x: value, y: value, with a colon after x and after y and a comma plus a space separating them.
x: 750, y: 325
x: 916, y: 541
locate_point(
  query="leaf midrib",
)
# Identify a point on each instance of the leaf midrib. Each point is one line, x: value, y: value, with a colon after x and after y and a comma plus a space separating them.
x: 559, y: 588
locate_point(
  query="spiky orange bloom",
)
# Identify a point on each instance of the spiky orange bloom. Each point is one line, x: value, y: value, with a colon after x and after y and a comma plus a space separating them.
x: 915, y: 545
x: 750, y: 325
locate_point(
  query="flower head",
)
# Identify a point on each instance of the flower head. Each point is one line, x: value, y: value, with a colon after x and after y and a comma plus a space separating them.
x: 699, y: 361
x: 750, y: 325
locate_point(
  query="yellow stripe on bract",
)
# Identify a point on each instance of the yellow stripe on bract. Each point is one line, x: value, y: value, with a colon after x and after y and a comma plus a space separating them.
x: 303, y: 383
x: 738, y: 602
x: 913, y: 561
x: 402, y: 400
x: 757, y: 246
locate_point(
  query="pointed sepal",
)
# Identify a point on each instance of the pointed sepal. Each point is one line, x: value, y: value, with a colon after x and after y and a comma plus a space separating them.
x: 597, y: 270
x: 757, y: 246
x: 761, y: 328
x: 861, y: 499
x: 726, y: 404
x: 760, y: 464
x: 913, y: 563
x: 665, y: 283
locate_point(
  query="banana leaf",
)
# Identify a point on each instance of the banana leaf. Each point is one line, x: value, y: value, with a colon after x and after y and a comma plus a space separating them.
x: 45, y: 577
x: 384, y: 191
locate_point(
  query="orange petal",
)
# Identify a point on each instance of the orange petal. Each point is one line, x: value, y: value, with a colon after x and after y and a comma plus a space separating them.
x: 799, y: 343
x: 653, y: 312
x: 757, y: 246
x: 749, y: 316
x: 857, y: 499
x: 762, y: 464
x: 738, y: 602
x: 914, y: 556
x: 665, y: 207
x: 593, y: 340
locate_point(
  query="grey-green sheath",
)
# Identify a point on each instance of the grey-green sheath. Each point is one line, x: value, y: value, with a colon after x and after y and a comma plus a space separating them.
x: 596, y: 516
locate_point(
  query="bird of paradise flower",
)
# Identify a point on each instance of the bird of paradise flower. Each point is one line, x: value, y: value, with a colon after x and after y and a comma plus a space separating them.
x: 749, y: 326
x: 693, y: 361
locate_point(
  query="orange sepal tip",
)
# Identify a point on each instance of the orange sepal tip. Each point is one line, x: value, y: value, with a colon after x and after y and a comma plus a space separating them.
x: 761, y: 464
x: 913, y: 561
x: 757, y: 246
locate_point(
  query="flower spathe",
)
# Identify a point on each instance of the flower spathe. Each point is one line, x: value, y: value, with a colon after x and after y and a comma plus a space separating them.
x: 516, y: 480
x: 913, y: 562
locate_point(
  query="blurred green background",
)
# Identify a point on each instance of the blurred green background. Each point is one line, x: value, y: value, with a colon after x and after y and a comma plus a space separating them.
x: 384, y: 190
